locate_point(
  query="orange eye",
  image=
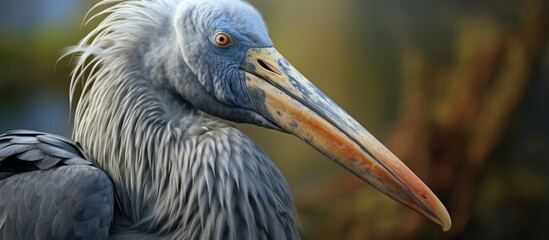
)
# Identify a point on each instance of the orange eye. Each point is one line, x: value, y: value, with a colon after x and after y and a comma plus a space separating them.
x: 222, y: 39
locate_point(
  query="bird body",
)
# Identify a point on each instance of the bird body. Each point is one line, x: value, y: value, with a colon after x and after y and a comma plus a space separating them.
x: 152, y: 74
x: 173, y: 168
x: 48, y: 190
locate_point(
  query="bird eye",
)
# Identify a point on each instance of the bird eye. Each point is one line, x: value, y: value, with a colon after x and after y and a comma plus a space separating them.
x: 222, y: 39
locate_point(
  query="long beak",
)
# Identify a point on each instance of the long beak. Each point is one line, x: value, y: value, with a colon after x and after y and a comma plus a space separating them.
x: 286, y: 98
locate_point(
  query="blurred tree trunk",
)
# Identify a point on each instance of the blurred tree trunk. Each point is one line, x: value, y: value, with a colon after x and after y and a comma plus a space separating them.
x: 453, y: 118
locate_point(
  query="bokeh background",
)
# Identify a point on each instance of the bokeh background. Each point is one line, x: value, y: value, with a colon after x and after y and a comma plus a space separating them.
x: 459, y: 90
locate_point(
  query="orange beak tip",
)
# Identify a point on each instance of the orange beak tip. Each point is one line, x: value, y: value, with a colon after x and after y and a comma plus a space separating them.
x: 275, y: 87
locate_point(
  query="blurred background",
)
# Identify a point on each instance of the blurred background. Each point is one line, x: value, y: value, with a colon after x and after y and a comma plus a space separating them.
x: 459, y: 90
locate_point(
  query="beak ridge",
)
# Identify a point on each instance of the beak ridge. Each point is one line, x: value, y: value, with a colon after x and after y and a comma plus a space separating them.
x: 285, y: 97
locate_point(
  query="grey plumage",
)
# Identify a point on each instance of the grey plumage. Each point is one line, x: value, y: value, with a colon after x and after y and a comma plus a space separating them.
x: 28, y: 150
x: 66, y: 202
x: 68, y: 198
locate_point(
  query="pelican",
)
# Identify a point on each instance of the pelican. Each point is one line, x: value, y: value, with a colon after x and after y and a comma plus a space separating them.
x: 148, y: 160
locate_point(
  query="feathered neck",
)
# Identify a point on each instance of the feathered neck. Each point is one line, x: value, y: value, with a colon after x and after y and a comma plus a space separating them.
x: 126, y: 116
x: 177, y: 174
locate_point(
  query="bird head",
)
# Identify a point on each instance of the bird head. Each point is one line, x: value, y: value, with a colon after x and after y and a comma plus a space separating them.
x: 241, y: 77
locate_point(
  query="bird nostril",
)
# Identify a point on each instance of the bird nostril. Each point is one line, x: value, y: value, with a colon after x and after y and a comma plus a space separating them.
x: 265, y: 66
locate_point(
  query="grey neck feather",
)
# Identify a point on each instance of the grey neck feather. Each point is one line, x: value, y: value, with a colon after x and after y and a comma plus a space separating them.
x: 177, y: 173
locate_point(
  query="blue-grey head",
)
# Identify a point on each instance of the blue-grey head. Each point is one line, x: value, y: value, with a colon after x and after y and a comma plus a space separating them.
x: 239, y: 76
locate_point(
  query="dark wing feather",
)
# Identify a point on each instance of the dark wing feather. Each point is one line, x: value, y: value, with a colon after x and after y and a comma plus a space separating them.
x: 15, y: 149
x: 53, y: 150
x: 49, y: 189
x: 31, y: 155
x: 23, y: 150
x: 48, y: 162
x: 64, y: 202
x: 58, y: 142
